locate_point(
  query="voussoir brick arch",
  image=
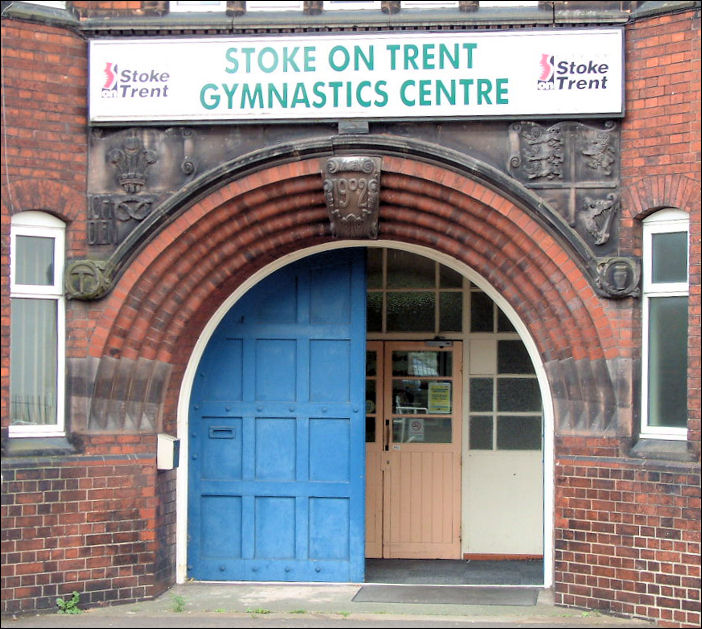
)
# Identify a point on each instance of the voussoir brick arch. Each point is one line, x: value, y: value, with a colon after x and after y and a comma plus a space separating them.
x: 44, y: 195
x: 651, y: 193
x: 173, y: 286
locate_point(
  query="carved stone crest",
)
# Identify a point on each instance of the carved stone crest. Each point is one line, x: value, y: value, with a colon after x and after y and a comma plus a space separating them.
x: 538, y: 151
x: 598, y: 215
x: 131, y: 161
x: 352, y: 191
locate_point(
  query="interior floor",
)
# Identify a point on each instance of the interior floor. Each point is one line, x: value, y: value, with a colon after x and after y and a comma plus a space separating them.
x: 455, y: 572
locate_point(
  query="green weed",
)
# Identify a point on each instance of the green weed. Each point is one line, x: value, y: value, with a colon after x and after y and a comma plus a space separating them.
x: 69, y: 606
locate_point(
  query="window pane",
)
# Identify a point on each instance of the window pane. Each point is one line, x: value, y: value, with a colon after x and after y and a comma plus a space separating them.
x: 518, y: 394
x: 35, y: 261
x: 33, y: 358
x: 374, y: 312
x: 481, y: 394
x: 518, y: 433
x: 481, y: 313
x: 503, y: 323
x: 374, y: 268
x: 669, y: 257
x: 512, y: 357
x: 667, y: 363
x: 480, y: 433
x: 450, y: 312
x: 421, y: 430
x: 450, y: 278
x: 408, y: 270
x: 410, y: 312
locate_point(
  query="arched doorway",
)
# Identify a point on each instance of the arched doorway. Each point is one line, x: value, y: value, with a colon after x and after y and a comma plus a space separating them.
x: 497, y: 455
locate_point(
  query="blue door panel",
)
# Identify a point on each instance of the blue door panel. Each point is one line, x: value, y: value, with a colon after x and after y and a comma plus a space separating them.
x: 329, y: 377
x: 277, y: 437
x: 329, y: 463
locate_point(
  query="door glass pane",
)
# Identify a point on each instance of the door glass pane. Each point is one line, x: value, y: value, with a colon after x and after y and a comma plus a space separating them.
x: 480, y: 432
x: 481, y: 315
x: 450, y: 312
x: 370, y: 396
x: 421, y: 429
x: 512, y: 357
x: 669, y: 257
x: 35, y: 261
x: 370, y: 429
x: 421, y: 397
x: 33, y: 357
x: 371, y: 363
x: 518, y: 433
x: 422, y: 363
x: 374, y: 312
x: 481, y: 394
x: 408, y: 270
x: 411, y: 312
x: 518, y: 394
x: 667, y: 363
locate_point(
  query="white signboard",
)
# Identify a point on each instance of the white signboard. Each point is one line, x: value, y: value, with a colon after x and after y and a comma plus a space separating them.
x: 373, y: 76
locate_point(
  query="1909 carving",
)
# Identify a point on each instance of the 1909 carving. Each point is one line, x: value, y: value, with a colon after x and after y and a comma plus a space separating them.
x: 351, y: 191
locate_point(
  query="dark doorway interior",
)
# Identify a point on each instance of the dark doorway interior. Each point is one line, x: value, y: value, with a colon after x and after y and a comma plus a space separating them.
x: 455, y: 572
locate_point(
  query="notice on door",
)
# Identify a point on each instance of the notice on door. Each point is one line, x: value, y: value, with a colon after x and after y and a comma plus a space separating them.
x: 439, y: 397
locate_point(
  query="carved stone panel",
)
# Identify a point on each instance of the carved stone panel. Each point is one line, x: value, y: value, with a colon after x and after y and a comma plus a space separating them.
x: 575, y: 168
x: 351, y: 191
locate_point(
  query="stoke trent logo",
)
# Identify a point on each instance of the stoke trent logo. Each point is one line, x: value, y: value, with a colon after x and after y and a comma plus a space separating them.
x: 571, y: 75
x: 110, y: 76
x: 130, y: 83
x: 547, y: 72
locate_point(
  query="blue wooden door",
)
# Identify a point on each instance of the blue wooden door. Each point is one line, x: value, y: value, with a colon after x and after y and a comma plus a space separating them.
x: 277, y: 430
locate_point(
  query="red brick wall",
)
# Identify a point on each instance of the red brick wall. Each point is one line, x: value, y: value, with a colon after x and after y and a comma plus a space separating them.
x: 44, y: 161
x: 627, y: 536
x: 661, y: 147
x: 84, y: 523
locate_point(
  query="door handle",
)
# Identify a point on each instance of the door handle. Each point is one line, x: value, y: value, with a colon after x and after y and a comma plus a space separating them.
x: 386, y: 435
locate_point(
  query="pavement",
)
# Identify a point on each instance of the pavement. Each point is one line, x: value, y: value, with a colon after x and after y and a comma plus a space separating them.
x: 264, y: 605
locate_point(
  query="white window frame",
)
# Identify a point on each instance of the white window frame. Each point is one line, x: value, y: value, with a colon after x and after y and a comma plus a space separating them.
x: 275, y: 5
x: 350, y: 5
x: 428, y: 4
x: 195, y: 6
x: 663, y: 221
x: 43, y: 225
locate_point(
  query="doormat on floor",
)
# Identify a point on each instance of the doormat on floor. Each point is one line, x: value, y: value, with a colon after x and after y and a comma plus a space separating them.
x: 446, y: 595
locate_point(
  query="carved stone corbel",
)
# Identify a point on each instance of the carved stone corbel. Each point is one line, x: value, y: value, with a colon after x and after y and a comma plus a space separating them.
x: 87, y: 279
x: 352, y: 192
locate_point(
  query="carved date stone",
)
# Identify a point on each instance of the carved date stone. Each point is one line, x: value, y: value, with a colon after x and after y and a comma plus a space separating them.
x: 352, y: 191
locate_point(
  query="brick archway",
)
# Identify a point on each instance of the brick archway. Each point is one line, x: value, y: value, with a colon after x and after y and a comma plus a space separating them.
x: 172, y: 287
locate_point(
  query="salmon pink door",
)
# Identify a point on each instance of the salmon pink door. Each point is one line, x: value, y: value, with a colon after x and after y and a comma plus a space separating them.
x: 413, y: 450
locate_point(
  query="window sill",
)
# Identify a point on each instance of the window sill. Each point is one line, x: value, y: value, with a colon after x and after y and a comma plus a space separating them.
x: 41, y: 446
x: 662, y: 450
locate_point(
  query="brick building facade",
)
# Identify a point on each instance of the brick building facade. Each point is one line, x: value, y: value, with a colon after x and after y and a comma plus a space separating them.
x: 221, y: 207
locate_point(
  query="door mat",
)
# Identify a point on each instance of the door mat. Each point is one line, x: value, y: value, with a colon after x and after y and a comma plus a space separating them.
x: 446, y: 595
